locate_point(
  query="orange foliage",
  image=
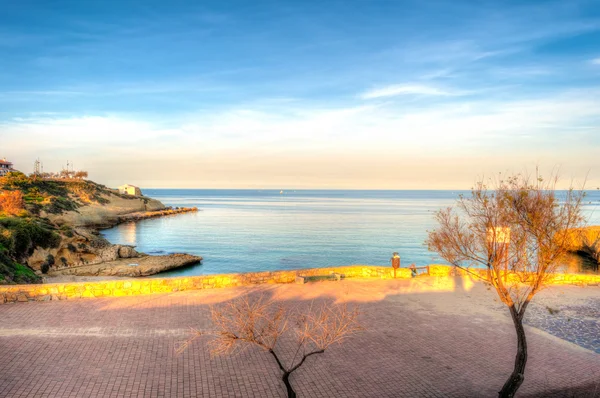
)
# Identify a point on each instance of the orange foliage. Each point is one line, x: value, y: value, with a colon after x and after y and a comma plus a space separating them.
x: 11, y: 202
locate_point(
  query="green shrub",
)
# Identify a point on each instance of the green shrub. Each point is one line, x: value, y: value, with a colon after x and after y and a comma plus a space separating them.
x: 59, y: 205
x: 23, y: 273
x: 22, y: 236
x: 47, y: 264
x: 67, y: 231
x: 16, y: 180
x: 12, y: 272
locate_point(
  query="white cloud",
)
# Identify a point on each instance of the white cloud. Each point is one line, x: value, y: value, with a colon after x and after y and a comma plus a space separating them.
x: 561, y: 126
x: 595, y: 61
x: 403, y: 89
x: 449, y: 126
x: 56, y: 132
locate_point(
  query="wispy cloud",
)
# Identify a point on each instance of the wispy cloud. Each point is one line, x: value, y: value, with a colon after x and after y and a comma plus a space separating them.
x: 403, y: 89
x: 266, y: 136
x: 302, y: 126
x: 595, y: 61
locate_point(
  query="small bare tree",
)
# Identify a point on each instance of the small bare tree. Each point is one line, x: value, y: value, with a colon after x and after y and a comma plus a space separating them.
x: 518, y: 233
x: 256, y: 320
x: 80, y: 174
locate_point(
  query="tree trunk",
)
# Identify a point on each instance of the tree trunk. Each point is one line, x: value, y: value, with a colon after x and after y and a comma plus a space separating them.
x: 518, y: 375
x: 286, y: 380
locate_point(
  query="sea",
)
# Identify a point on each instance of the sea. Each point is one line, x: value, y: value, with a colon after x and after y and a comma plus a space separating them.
x: 263, y: 230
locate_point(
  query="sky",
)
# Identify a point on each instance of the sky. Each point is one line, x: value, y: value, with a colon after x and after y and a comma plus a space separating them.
x: 363, y: 94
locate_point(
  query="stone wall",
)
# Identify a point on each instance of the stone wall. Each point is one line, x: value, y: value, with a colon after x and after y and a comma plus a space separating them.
x: 445, y: 271
x: 128, y: 287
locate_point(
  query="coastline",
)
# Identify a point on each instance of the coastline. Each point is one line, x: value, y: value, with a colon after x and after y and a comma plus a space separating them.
x: 84, y: 253
x: 83, y: 246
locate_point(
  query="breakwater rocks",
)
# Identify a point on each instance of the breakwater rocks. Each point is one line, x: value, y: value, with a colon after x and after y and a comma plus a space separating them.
x: 143, y: 215
x: 143, y: 265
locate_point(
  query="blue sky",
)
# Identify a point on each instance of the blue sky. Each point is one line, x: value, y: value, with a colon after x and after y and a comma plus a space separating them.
x: 325, y: 94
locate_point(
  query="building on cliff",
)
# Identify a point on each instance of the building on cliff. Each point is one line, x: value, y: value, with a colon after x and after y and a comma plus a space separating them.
x: 130, y: 190
x: 5, y: 167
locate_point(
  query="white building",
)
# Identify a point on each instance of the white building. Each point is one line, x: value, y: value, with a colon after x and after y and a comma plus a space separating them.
x: 5, y: 167
x: 130, y: 190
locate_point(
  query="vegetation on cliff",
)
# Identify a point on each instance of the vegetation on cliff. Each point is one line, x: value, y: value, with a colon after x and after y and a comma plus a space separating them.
x: 53, y: 196
x: 24, y: 203
x: 50, y: 224
x: 19, y: 236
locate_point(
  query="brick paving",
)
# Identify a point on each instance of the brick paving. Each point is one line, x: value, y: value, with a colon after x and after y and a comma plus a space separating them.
x: 417, y: 343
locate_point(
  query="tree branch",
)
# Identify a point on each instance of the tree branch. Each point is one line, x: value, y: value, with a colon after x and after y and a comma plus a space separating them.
x: 304, y: 359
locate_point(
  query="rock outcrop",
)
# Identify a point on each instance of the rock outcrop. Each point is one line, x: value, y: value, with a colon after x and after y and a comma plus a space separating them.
x: 136, y: 266
x: 79, y: 247
x: 144, y: 215
x: 56, y: 229
x: 107, y: 213
x: 84, y: 252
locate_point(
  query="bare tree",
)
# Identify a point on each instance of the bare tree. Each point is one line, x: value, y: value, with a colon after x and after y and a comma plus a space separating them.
x: 65, y: 173
x: 518, y: 232
x: 80, y: 174
x: 256, y: 320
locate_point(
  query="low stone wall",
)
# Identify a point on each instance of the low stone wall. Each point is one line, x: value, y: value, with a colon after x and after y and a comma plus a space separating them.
x: 128, y: 287
x: 445, y: 271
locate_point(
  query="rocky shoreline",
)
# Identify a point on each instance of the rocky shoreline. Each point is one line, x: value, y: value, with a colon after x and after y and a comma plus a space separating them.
x: 143, y: 265
x: 144, y: 215
x: 83, y: 252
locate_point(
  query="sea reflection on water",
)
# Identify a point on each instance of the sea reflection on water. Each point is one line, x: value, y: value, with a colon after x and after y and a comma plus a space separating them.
x: 128, y: 234
x: 243, y: 230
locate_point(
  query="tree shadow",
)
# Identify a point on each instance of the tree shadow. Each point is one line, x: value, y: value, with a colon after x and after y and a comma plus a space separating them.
x: 588, y: 390
x: 421, y: 338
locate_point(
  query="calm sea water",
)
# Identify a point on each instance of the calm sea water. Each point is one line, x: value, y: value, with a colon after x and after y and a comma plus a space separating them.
x: 258, y: 230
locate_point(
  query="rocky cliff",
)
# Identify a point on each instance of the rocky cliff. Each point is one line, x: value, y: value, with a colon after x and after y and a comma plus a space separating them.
x: 105, y: 213
x: 50, y: 226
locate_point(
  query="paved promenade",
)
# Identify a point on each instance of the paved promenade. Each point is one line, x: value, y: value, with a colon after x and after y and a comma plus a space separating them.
x: 421, y: 340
